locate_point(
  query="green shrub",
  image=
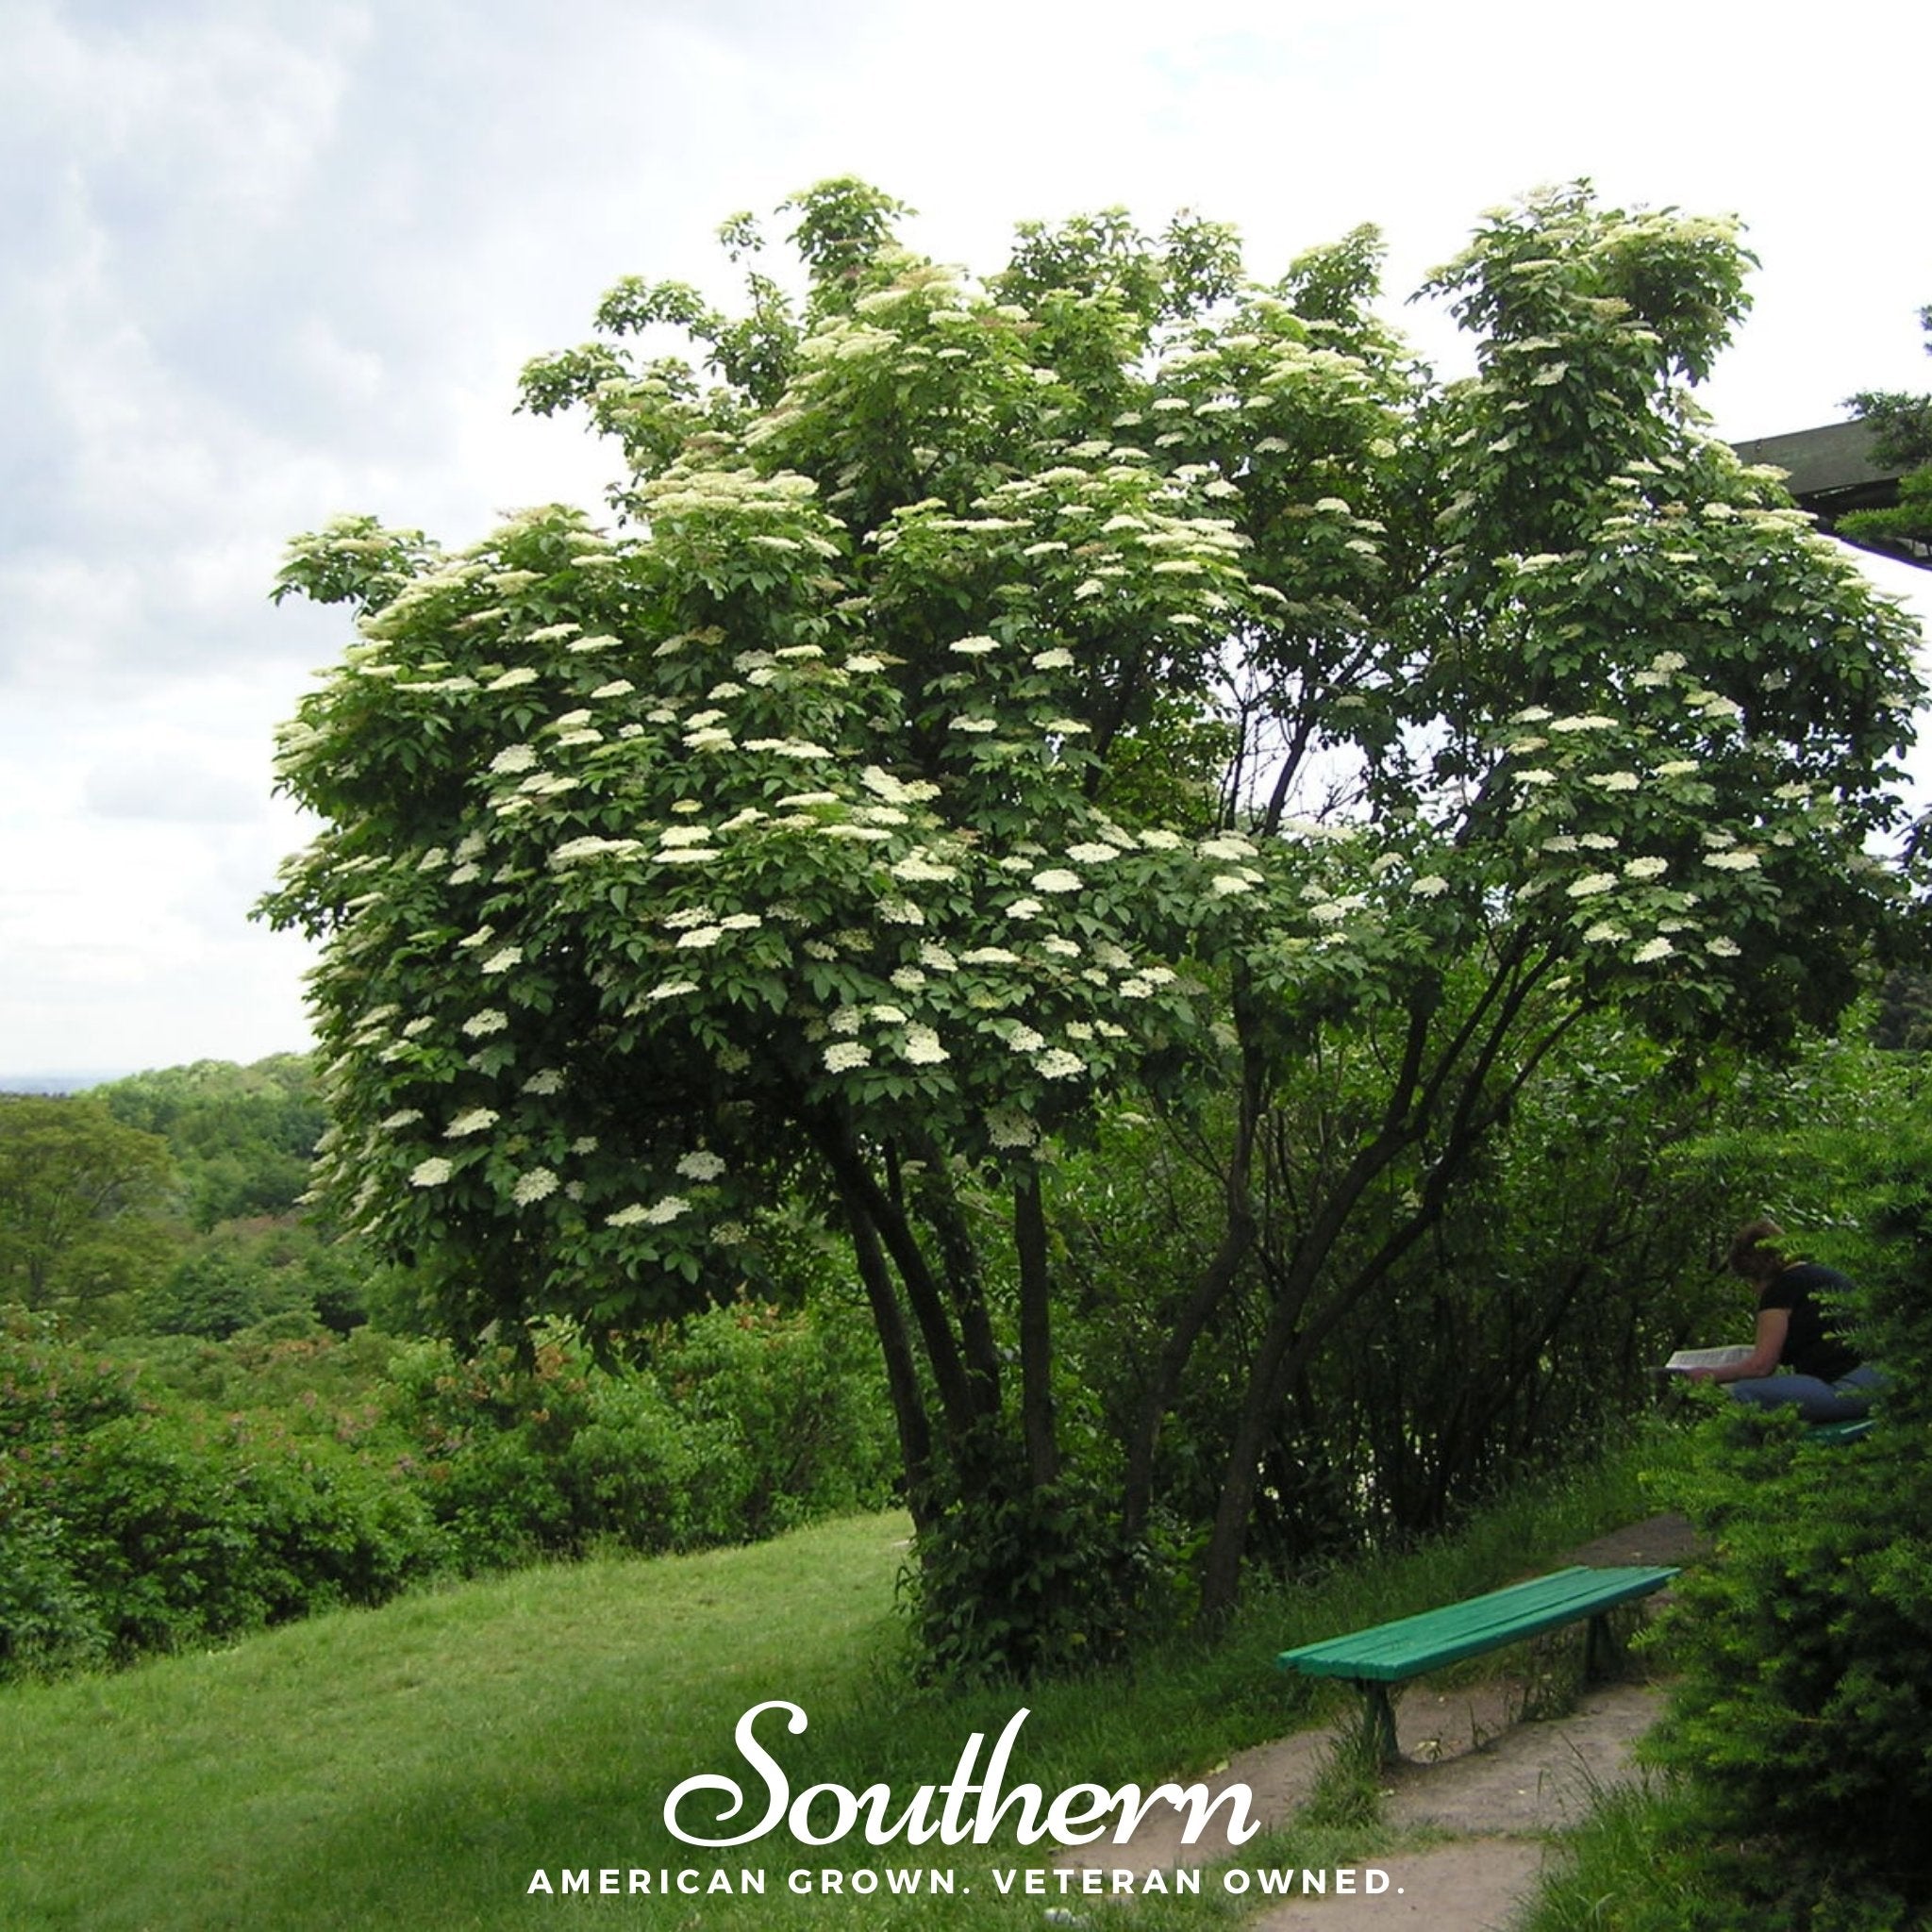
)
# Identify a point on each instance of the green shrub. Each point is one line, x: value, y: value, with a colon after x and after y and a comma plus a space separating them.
x: 245, y: 1272
x: 49, y: 1620
x: 50, y: 1399
x: 178, y: 1489
x: 1807, y: 1648
x: 126, y: 1528
x: 50, y: 1393
x: 212, y: 1293
x: 1018, y: 1580
x: 522, y: 1459
x: 746, y: 1421
x: 288, y: 1363
x: 1801, y: 1720
x: 804, y: 1399
x: 181, y: 1534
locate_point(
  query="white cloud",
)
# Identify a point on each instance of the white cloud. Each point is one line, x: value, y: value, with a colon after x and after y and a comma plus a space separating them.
x: 281, y: 259
x: 138, y: 836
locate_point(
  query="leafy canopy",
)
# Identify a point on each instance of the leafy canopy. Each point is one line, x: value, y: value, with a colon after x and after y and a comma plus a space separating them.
x: 983, y: 678
x: 81, y: 1202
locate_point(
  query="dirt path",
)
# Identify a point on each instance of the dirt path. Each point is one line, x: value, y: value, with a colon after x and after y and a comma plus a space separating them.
x: 1498, y: 1796
x: 1485, y: 1786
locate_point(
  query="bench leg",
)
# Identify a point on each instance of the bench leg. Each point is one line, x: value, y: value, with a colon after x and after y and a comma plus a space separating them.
x: 1599, y: 1649
x: 1380, y: 1713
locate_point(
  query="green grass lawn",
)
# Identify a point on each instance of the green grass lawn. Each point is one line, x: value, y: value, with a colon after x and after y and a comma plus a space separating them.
x: 412, y: 1767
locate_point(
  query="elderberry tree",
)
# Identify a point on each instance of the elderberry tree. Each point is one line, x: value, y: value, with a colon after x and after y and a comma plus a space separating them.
x: 998, y: 701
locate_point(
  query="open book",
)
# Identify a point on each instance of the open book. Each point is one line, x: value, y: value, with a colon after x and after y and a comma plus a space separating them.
x: 1705, y: 1358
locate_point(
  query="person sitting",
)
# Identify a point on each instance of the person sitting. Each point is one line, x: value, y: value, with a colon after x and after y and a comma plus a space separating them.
x: 1823, y: 1374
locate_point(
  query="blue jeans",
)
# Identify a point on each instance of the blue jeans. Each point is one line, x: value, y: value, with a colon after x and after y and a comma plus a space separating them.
x: 1842, y: 1401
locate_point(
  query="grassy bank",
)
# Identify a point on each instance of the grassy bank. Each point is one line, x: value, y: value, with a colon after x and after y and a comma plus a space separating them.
x: 413, y: 1766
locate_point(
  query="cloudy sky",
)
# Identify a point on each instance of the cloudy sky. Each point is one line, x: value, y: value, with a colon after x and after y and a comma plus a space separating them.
x: 265, y: 261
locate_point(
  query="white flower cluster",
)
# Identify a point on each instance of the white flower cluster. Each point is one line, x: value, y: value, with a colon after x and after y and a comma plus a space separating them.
x: 922, y: 1046
x: 659, y: 1214
x: 575, y: 851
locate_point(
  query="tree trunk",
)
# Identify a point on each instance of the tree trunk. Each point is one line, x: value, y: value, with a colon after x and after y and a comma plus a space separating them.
x: 1415, y: 1103
x: 902, y: 1376
x: 965, y: 1283
x: 1035, y: 1330
x: 866, y: 1202
x: 1237, y: 1238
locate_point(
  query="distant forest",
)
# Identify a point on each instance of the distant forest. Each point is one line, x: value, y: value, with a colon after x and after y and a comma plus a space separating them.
x: 169, y: 1202
x: 220, y: 1410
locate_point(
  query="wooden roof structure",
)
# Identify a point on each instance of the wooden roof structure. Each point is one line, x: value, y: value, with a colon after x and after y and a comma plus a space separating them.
x: 1834, y: 469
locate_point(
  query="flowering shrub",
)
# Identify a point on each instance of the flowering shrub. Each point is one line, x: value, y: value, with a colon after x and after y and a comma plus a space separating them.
x: 912, y: 773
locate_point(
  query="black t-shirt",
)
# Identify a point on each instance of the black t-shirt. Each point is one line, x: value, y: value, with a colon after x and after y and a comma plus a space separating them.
x: 1812, y: 1343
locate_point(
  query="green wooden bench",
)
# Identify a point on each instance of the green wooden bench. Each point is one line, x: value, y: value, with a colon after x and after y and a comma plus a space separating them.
x: 1393, y: 1653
